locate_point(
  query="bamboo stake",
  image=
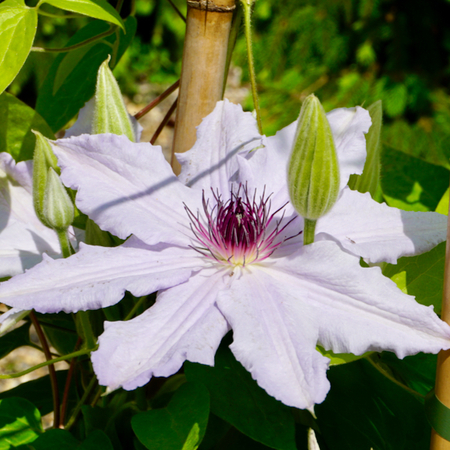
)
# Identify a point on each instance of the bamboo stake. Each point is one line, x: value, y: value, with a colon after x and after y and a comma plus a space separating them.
x: 442, y: 389
x: 204, y: 61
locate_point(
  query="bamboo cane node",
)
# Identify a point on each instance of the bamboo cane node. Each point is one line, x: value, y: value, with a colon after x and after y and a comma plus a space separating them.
x: 208, y: 5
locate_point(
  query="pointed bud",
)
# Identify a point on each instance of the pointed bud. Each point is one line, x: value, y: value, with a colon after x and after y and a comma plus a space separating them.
x: 110, y: 113
x: 58, y: 206
x: 313, y: 171
x: 369, y: 179
x: 43, y: 159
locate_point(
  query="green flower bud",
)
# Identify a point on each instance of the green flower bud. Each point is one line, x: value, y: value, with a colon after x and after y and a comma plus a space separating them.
x: 313, y: 171
x: 58, y: 206
x: 369, y: 179
x: 110, y: 113
x: 43, y: 159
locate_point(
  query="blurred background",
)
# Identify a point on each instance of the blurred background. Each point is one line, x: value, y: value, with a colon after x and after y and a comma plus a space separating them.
x: 349, y: 52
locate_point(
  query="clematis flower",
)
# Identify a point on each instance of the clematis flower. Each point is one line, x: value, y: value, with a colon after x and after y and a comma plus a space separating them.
x: 223, y: 246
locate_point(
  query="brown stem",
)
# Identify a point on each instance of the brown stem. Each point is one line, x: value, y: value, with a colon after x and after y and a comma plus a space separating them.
x: 67, y: 386
x: 51, y: 368
x: 204, y: 63
x: 164, y: 122
x: 156, y: 101
x: 442, y: 389
x: 177, y: 10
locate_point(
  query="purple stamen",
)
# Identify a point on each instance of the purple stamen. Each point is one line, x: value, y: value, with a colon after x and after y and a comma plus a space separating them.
x: 236, y: 231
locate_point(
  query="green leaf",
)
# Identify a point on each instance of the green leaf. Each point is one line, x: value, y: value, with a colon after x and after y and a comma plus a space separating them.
x: 411, y: 184
x: 417, y: 372
x: 97, y: 440
x: 181, y: 425
x: 421, y: 276
x: 56, y: 440
x: 369, y: 179
x: 217, y: 429
x: 20, y: 422
x: 98, y: 9
x: 71, y: 80
x: 366, y: 410
x: 15, y: 339
x: 18, y: 25
x: 39, y: 392
x: 17, y: 120
x: 340, y: 358
x: 237, y: 399
x: 442, y: 207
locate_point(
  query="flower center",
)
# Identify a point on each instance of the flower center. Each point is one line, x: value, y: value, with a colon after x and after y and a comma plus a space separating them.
x: 238, y: 231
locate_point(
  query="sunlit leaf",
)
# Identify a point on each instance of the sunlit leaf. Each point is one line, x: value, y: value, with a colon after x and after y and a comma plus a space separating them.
x: 98, y: 9
x: 421, y: 276
x: 20, y: 422
x: 17, y: 120
x: 18, y: 25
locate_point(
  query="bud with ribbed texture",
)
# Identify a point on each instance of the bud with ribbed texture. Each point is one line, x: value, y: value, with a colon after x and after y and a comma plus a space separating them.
x: 313, y: 170
x: 110, y: 113
x: 370, y: 177
x: 43, y: 159
x: 58, y: 206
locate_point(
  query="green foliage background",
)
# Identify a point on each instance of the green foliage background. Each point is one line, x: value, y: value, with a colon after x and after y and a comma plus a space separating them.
x: 348, y: 52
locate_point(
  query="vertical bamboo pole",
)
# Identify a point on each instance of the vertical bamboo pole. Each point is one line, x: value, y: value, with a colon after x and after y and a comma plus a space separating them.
x: 442, y: 389
x: 208, y: 25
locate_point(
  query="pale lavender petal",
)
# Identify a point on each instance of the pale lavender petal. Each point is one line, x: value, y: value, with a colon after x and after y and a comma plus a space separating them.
x: 349, y: 125
x: 265, y: 170
x: 23, y: 238
x: 222, y: 134
x: 274, y: 336
x: 97, y: 277
x: 184, y: 324
x: 357, y: 309
x: 378, y: 232
x: 127, y: 188
x: 85, y: 120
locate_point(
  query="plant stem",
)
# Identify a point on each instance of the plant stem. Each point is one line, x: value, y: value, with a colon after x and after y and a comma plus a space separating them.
x: 83, y: 317
x: 157, y: 100
x: 442, y: 389
x: 67, y: 386
x: 172, y: 4
x: 77, y: 409
x: 164, y: 122
x: 66, y: 248
x: 75, y: 46
x: 51, y: 369
x: 204, y: 63
x: 308, y: 231
x: 247, y: 7
x: 135, y: 307
x: 85, y: 351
